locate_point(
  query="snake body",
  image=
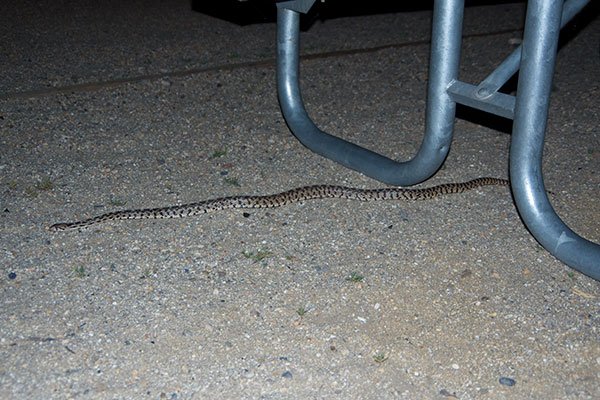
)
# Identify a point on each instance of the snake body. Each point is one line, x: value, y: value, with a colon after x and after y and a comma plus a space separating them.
x: 281, y: 199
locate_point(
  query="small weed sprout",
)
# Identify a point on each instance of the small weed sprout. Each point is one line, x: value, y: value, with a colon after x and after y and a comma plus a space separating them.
x: 117, y: 203
x: 79, y: 271
x: 259, y: 256
x: 44, y: 185
x: 232, y: 181
x: 354, y: 277
x: 220, y: 153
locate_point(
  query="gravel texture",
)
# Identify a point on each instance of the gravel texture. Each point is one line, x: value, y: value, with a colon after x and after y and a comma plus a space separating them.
x: 111, y: 105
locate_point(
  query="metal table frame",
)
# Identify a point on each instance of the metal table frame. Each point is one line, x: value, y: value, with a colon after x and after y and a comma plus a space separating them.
x: 529, y: 110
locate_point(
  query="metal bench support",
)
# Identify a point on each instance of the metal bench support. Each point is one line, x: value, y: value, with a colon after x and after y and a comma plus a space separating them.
x: 529, y: 110
x: 529, y: 127
x: 440, y: 107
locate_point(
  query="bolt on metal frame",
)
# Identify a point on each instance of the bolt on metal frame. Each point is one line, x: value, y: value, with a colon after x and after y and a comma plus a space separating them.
x: 535, y: 58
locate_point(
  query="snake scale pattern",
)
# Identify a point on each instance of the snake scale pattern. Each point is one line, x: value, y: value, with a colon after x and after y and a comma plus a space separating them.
x: 281, y: 199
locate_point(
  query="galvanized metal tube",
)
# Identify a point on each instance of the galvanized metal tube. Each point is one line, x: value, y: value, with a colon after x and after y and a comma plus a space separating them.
x: 440, y: 110
x: 531, y: 112
x: 444, y: 61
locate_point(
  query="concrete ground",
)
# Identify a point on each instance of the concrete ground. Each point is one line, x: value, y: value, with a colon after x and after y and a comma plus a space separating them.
x: 113, y: 105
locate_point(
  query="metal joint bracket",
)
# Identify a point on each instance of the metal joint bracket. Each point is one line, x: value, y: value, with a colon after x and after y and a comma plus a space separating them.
x: 472, y: 96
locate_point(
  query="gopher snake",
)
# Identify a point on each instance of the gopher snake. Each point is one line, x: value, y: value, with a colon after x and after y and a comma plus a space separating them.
x: 281, y: 199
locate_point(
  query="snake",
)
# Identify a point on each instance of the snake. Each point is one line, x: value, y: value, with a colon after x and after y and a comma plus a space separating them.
x: 291, y: 196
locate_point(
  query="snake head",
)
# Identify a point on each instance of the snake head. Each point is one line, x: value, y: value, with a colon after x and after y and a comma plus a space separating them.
x: 57, y: 228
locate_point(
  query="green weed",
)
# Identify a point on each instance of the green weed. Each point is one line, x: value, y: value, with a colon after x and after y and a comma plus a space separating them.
x: 354, y: 277
x: 259, y: 256
x: 232, y: 181
x: 220, y: 153
x: 79, y: 271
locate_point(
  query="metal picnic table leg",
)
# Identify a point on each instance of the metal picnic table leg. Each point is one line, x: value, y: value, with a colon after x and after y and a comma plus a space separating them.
x: 439, y: 129
x: 531, y: 113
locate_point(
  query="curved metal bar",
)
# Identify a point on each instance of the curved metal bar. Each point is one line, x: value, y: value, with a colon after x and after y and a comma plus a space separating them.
x: 445, y: 55
x: 531, y: 113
